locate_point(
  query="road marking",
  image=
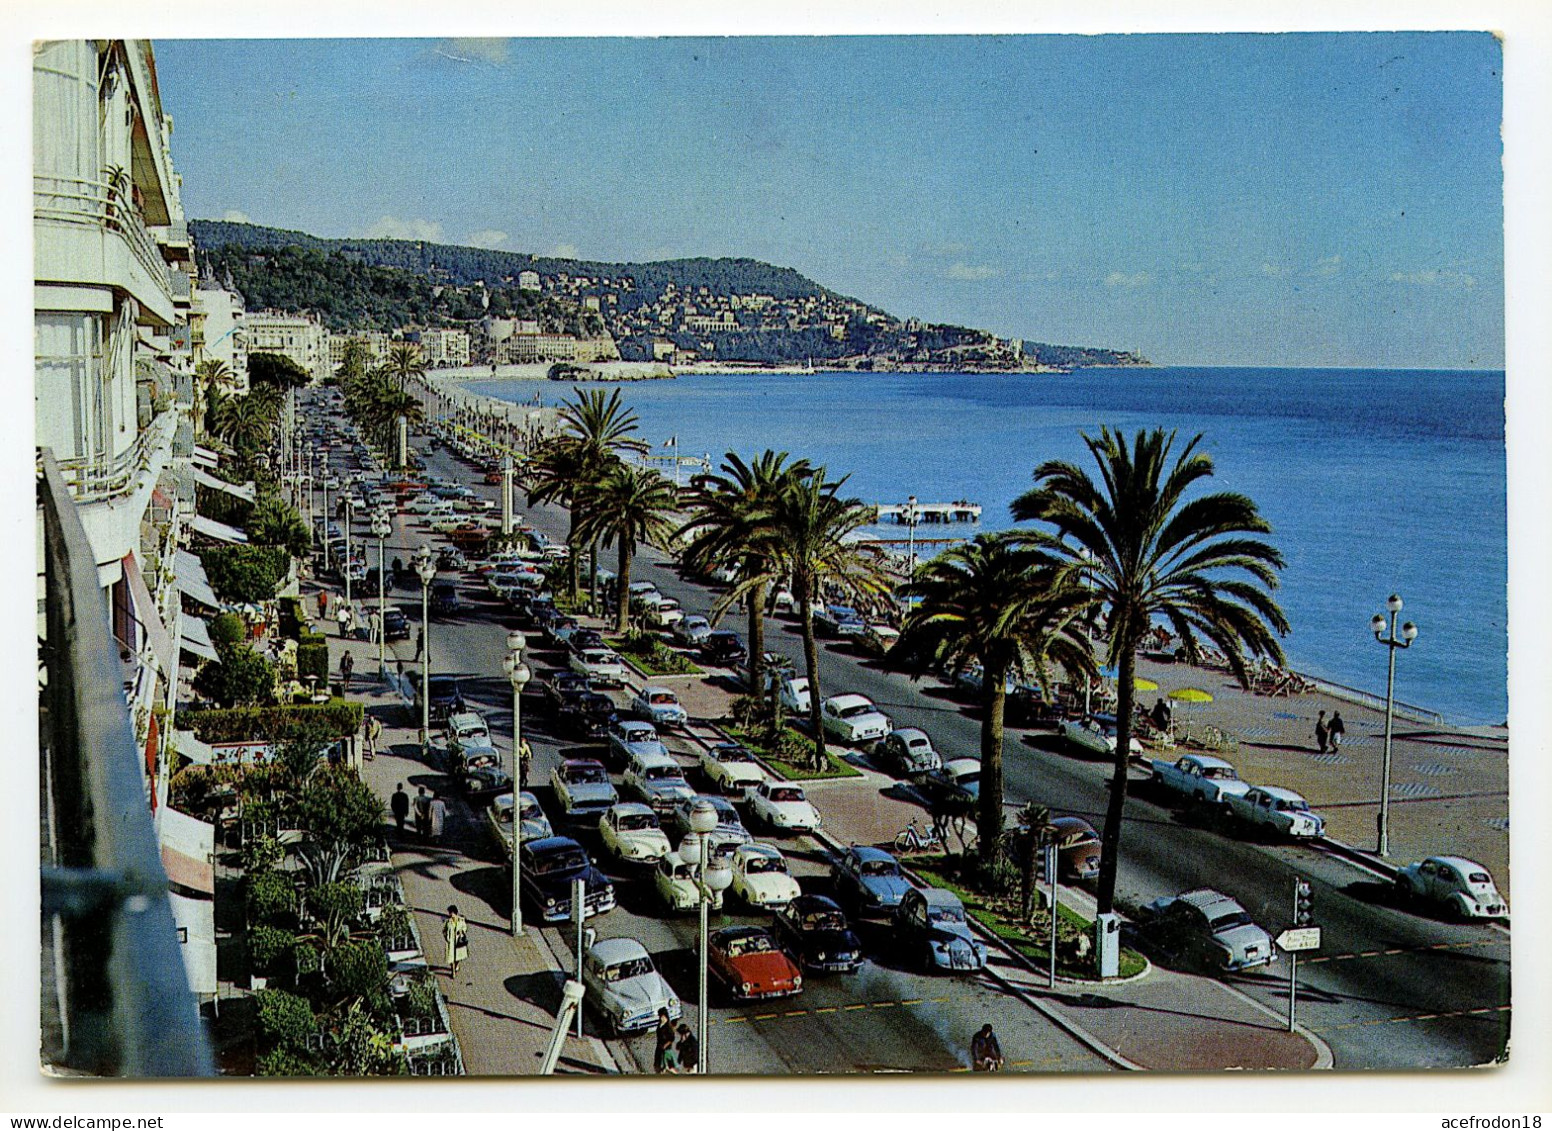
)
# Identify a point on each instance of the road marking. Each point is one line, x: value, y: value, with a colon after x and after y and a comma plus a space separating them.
x: 827, y: 1009
x: 797, y: 1013
x: 765, y: 1016
x: 1408, y: 950
x: 912, y: 1001
x: 1415, y: 1017
x: 885, y: 1004
x: 849, y: 1008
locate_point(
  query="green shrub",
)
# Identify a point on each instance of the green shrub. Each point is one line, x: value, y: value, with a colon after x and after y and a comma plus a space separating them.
x: 267, y: 945
x: 292, y: 622
x: 358, y: 969
x: 227, y: 631
x: 271, y: 896
x: 420, y: 1002
x: 247, y: 574
x: 286, y: 1020
x: 312, y: 658
x: 307, y: 958
x: 337, y: 901
x: 272, y: 724
x: 260, y: 853
x: 241, y: 677
x: 286, y: 1062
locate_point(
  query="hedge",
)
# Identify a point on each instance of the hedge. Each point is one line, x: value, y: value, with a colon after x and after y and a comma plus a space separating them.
x: 312, y: 657
x: 272, y: 724
x: 250, y: 574
x: 293, y: 623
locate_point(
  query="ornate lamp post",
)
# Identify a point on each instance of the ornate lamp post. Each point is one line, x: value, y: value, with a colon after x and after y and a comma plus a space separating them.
x: 518, y: 674
x: 350, y: 514
x: 712, y: 877
x: 911, y: 515
x: 425, y: 569
x: 380, y: 527
x: 1392, y: 642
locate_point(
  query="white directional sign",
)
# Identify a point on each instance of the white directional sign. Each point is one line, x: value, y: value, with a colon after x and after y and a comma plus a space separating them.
x: 1300, y: 938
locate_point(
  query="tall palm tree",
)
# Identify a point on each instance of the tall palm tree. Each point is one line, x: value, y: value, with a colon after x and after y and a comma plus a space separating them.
x: 814, y: 526
x: 628, y: 506
x: 211, y: 376
x: 275, y: 522
x: 733, y: 525
x: 404, y: 364
x: 1147, y: 551
x: 993, y: 602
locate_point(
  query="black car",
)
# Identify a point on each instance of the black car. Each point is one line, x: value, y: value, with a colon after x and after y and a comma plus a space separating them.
x: 814, y: 929
x: 584, y: 638
x: 396, y: 626
x: 724, y: 648
x: 370, y: 585
x: 446, y: 695
x: 588, y: 715
x: 444, y: 598
x: 549, y: 867
x: 563, y: 687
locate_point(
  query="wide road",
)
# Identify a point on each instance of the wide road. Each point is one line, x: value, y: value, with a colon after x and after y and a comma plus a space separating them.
x: 885, y: 1018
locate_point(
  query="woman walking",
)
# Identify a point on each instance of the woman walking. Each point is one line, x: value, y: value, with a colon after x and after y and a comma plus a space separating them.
x: 455, y: 933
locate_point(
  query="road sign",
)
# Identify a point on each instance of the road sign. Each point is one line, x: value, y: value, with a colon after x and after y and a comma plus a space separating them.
x: 1300, y: 938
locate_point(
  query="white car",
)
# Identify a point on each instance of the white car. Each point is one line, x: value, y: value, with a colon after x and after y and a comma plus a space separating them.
x: 630, y: 831
x: 692, y: 630
x: 1461, y: 886
x: 423, y: 504
x: 783, y: 805
x: 794, y: 695
x: 674, y: 880
x: 498, y: 819
x: 1206, y: 928
x: 731, y: 767
x: 782, y: 601
x: 1279, y: 810
x: 640, y: 589
x: 601, y: 666
x: 853, y: 719
x: 1199, y: 777
x: 665, y: 613
x: 761, y: 879
x: 467, y: 728
x: 625, y: 987
x: 660, y: 706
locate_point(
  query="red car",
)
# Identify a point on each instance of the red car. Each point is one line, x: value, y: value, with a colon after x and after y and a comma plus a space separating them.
x: 752, y: 965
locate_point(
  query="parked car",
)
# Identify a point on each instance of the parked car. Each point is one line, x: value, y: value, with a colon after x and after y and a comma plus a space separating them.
x: 588, y: 715
x: 751, y: 965
x: 724, y: 648
x: 601, y: 666
x: 730, y: 767
x: 1276, y: 810
x: 931, y: 924
x: 869, y: 879
x: 853, y: 719
x: 1206, y: 928
x: 446, y: 695
x: 691, y: 630
x: 814, y: 931
x: 657, y: 779
x: 1199, y: 777
x: 1077, y: 847
x: 794, y: 695
x: 396, y: 626
x: 1459, y: 886
x: 477, y: 768
x: 908, y: 751
x: 761, y: 878
x: 839, y: 620
x: 467, y: 727
x: 584, y: 638
x: 878, y: 638
x: 549, y: 867
x: 664, y: 613
x: 625, y: 988
x: 783, y: 601
x: 630, y: 831
x: 562, y: 687
x: 783, y: 806
x: 674, y: 881
x: 957, y: 781
x: 730, y: 826
x: 444, y: 598
x: 559, y: 629
x: 630, y: 737
x: 583, y: 789
x: 659, y: 706
x: 498, y: 821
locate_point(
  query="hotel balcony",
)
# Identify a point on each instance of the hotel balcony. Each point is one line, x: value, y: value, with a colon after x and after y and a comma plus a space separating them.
x: 89, y: 234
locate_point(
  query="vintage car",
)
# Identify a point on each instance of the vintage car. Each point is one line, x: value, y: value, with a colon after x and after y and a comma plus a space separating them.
x: 1205, y: 928
x: 630, y: 737
x: 692, y: 630
x: 659, y: 706
x: 498, y: 821
x: 724, y: 648
x: 782, y: 806
x: 1198, y: 777
x: 625, y: 988
x: 957, y: 781
x: 761, y: 878
x: 931, y: 924
x: 583, y: 788
x: 1461, y: 887
x: 630, y: 831
x: 1276, y: 810
x: 814, y: 930
x: 549, y: 866
x: 478, y: 768
x: 674, y: 879
x: 657, y: 779
x: 560, y: 687
x: 907, y: 751
x: 869, y: 880
x: 601, y: 666
x: 730, y: 767
x: 751, y: 965
x: 853, y: 719
x: 729, y: 824
x: 588, y: 715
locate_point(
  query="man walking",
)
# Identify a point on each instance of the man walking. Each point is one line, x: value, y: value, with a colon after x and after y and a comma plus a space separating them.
x: 985, y: 1051
x: 423, y: 813
x: 399, y: 804
x: 347, y: 667
x: 342, y: 618
x: 420, y: 644
x: 1322, y: 732
x: 663, y: 1058
x: 1336, y: 731
x: 688, y: 1050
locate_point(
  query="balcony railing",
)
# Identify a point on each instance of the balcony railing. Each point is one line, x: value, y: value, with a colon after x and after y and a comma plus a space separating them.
x: 75, y: 200
x: 92, y: 479
x: 115, y: 999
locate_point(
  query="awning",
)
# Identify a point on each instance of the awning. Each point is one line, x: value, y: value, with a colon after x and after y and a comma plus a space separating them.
x: 196, y: 638
x: 205, y: 456
x: 220, y: 531
x: 200, y: 753
x: 196, y: 923
x: 188, y: 850
x: 157, y: 636
x: 243, y: 491
x: 190, y: 572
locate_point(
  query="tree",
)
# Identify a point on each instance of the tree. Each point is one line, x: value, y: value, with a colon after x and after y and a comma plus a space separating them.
x: 814, y: 528
x: 275, y: 370
x: 275, y: 522
x: 629, y: 506
x: 342, y: 816
x: 994, y: 603
x: 404, y: 364
x: 1146, y: 551
x: 240, y: 678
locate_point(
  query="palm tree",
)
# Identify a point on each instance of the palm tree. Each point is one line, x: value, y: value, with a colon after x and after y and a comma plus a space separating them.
x: 404, y: 363
x: 354, y: 360
x: 210, y: 377
x: 275, y: 522
x: 813, y: 540
x: 628, y: 506
x: 733, y: 524
x: 1148, y: 552
x: 993, y: 602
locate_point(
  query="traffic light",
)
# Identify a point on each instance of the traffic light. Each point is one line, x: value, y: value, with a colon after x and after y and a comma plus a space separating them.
x: 1303, y: 911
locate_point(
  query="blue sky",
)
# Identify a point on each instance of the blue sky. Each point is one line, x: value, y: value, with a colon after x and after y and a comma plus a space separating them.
x: 1230, y: 199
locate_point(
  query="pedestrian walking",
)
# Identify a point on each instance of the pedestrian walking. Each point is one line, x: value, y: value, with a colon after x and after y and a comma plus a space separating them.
x: 1322, y: 732
x: 423, y: 812
x: 347, y: 667
x: 985, y: 1051
x: 323, y: 603
x: 1336, y: 731
x: 438, y: 817
x: 663, y: 1056
x: 455, y: 933
x: 374, y: 625
x: 420, y: 643
x: 524, y: 760
x: 399, y: 804
x: 687, y: 1050
x: 374, y: 731
x: 342, y: 618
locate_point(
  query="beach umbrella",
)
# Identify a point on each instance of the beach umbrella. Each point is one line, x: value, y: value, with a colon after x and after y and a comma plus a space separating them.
x: 1142, y: 684
x: 1191, y: 695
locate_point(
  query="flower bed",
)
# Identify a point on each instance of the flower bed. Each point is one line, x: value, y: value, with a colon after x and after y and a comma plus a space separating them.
x: 651, y: 657
x: 792, y: 757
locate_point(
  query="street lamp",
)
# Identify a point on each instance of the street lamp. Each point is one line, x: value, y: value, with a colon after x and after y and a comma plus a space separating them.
x: 425, y: 568
x: 381, y: 527
x: 518, y: 674
x: 1087, y: 558
x: 910, y: 516
x: 1392, y: 642
x: 350, y: 514
x: 711, y: 878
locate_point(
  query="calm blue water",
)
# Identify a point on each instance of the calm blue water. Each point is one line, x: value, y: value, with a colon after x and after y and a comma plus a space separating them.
x: 1374, y: 481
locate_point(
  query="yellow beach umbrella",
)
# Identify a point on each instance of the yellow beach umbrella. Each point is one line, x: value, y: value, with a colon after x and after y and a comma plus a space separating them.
x: 1191, y: 695
x: 1141, y: 684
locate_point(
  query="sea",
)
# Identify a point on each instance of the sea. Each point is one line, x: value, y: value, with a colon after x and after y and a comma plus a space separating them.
x: 1375, y: 481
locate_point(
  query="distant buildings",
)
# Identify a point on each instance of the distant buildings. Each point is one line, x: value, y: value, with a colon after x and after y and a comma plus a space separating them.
x: 300, y: 337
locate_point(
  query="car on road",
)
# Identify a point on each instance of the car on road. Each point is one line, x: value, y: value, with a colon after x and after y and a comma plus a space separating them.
x: 444, y: 598
x: 730, y: 767
x: 664, y: 613
x: 657, y: 779
x: 1206, y: 929
x: 724, y: 648
x: 783, y: 601
x: 446, y: 695
x: 907, y: 751
x: 549, y: 867
x: 630, y: 737
x: 561, y: 687
x: 498, y: 821
x: 630, y: 831
x: 761, y: 878
x: 750, y: 964
x: 931, y: 925
x: 853, y: 719
x: 1086, y: 736
x: 467, y: 727
x: 730, y: 826
x: 1202, y: 778
x: 674, y: 881
x: 1459, y: 886
x: 477, y: 767
x: 582, y: 788
x: 559, y: 629
x: 1077, y: 847
x: 814, y: 930
x: 782, y: 806
x: 601, y: 666
x: 396, y: 626
x: 869, y: 880
x: 1273, y: 809
x: 692, y: 630
x: 879, y: 638
x: 583, y: 639
x: 625, y: 987
x: 957, y: 781
x: 588, y: 715
x: 659, y: 706
x: 838, y: 620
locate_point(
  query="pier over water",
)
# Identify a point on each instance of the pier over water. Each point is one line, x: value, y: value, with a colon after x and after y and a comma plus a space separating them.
x: 910, y: 514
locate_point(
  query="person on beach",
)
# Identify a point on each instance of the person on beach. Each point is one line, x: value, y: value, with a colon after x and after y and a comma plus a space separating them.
x: 985, y: 1051
x: 438, y: 818
x: 663, y: 1058
x: 1335, y: 731
x: 455, y: 933
x: 1322, y: 732
x: 399, y: 805
x: 422, y: 812
x: 687, y: 1050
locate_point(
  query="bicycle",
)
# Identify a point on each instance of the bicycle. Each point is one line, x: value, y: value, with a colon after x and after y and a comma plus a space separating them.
x: 916, y: 839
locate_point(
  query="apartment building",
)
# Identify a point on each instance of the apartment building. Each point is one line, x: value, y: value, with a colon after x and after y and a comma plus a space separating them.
x: 301, y: 337
x: 444, y: 349
x: 220, y: 330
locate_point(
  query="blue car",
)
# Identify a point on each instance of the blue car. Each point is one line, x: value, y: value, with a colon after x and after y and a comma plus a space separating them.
x: 869, y: 879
